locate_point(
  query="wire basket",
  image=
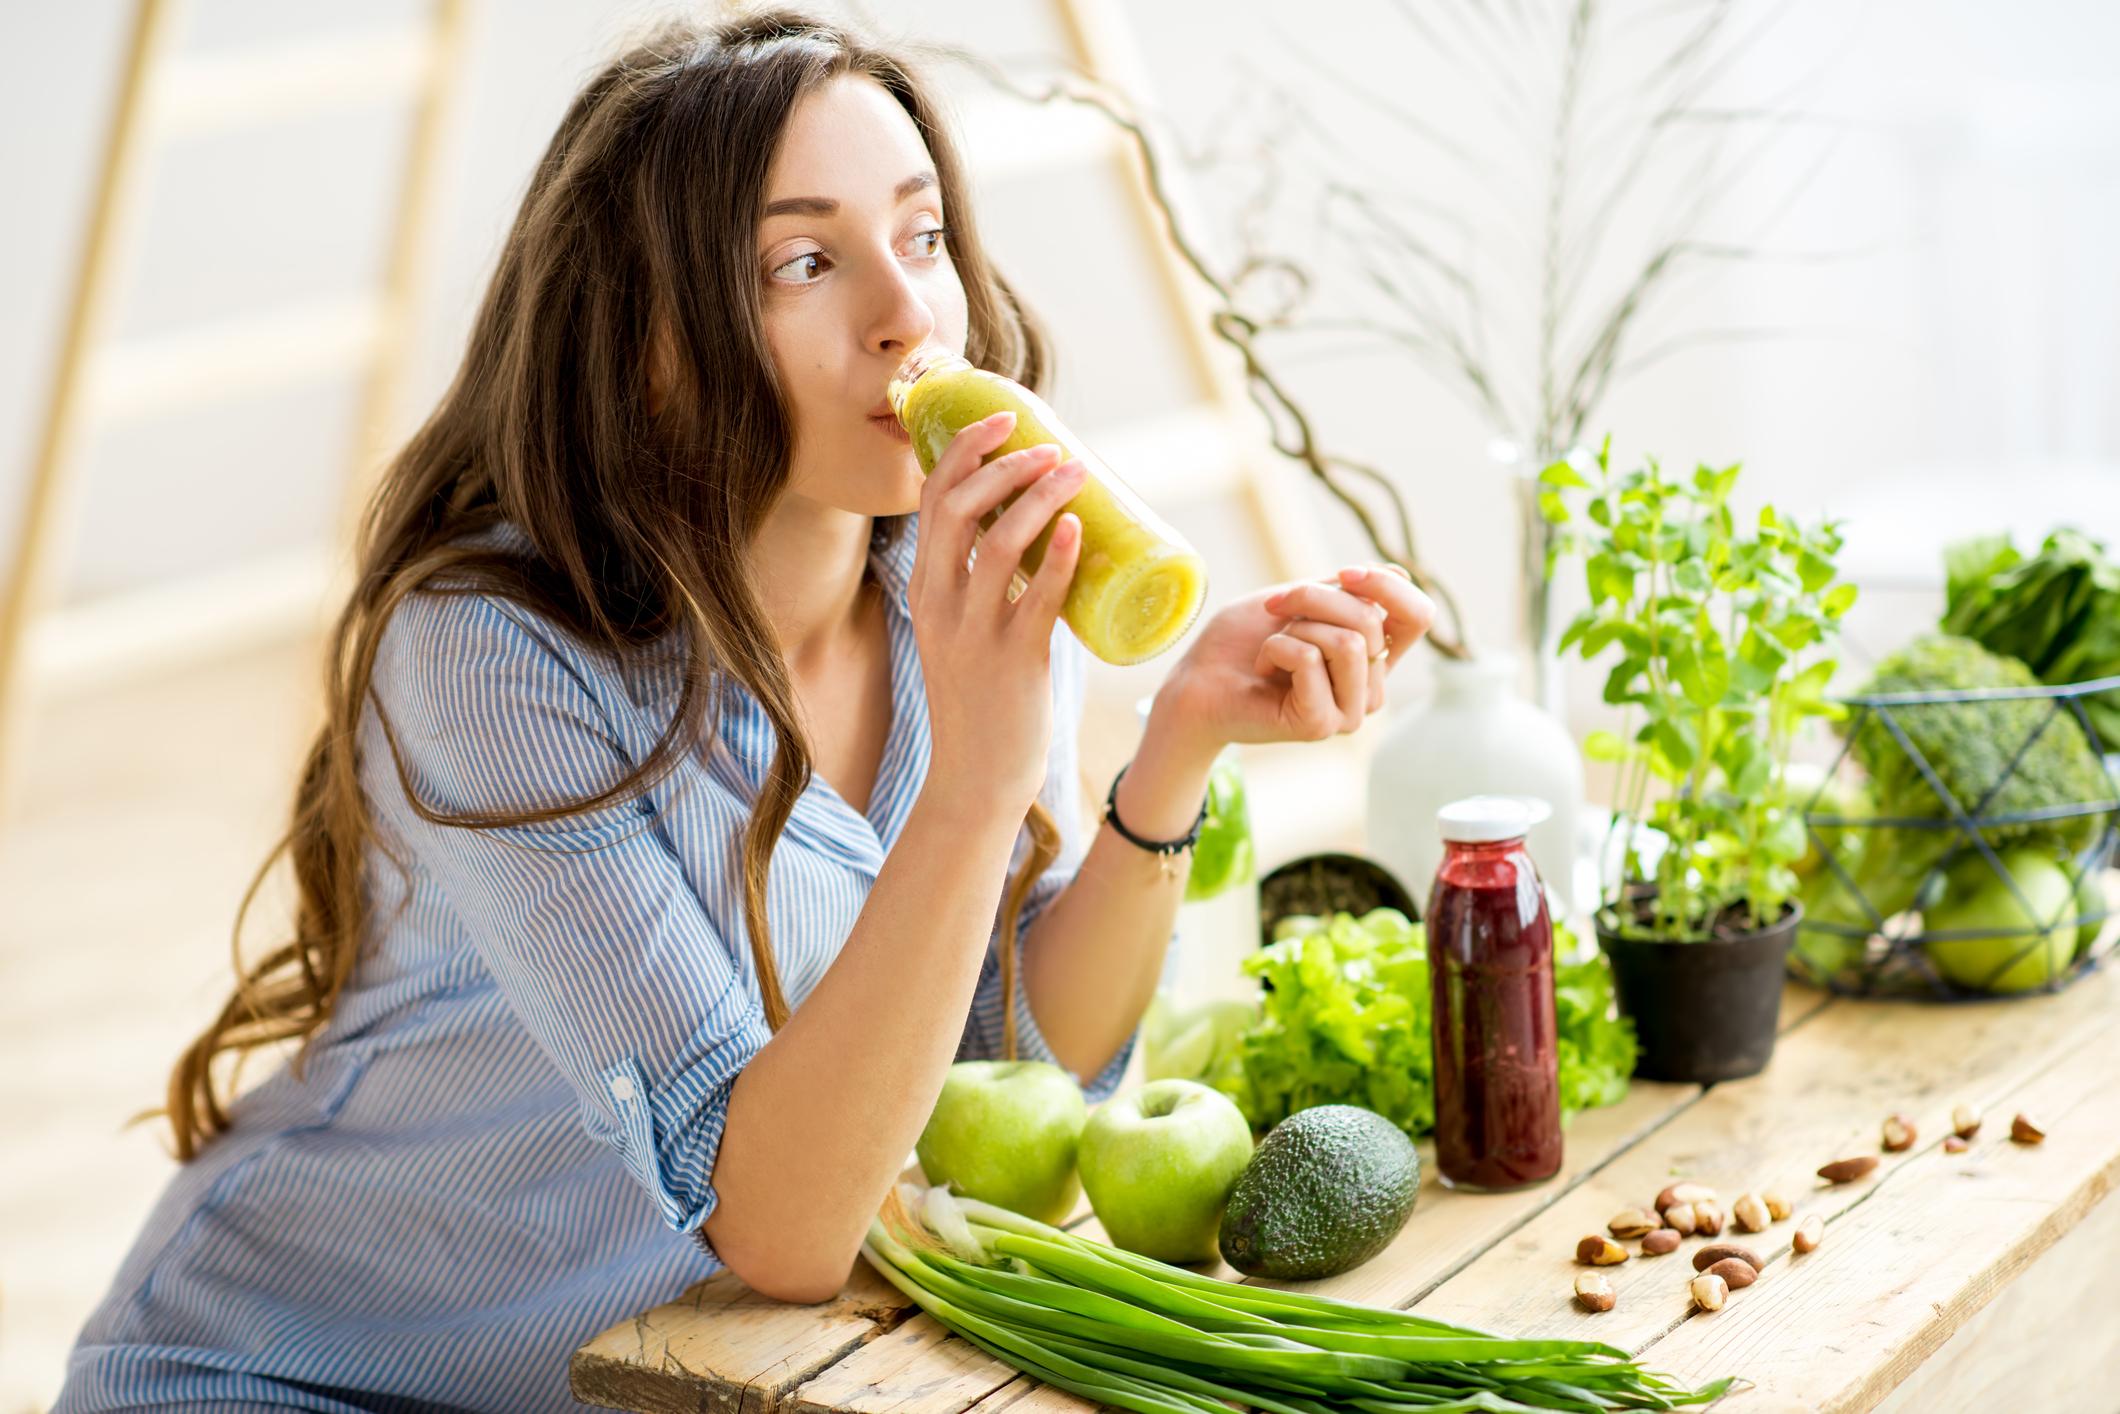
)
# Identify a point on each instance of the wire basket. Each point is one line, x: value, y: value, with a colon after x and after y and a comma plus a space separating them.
x: 2025, y: 936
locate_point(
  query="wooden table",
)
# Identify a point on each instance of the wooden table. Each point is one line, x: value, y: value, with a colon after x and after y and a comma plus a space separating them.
x: 1946, y: 1281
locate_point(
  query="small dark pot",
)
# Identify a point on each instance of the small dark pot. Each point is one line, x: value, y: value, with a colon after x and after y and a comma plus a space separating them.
x: 1703, y: 1011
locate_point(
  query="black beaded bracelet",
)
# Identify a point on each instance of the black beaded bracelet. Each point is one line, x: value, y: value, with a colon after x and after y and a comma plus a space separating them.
x: 1166, y: 850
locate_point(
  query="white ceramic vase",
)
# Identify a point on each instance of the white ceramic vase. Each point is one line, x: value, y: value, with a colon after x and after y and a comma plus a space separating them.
x: 1475, y: 736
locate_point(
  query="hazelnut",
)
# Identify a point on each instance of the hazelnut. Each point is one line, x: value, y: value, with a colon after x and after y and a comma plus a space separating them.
x: 2025, y: 1131
x: 1599, y: 1252
x: 1956, y: 1144
x: 1632, y: 1222
x: 1594, y: 1293
x: 1848, y: 1170
x: 1736, y: 1272
x: 1657, y: 1243
x: 1965, y: 1121
x: 1709, y: 1291
x: 1679, y: 1218
x: 1809, y: 1233
x: 1715, y: 1252
x: 1778, y: 1204
x: 1899, y: 1134
x: 1708, y: 1218
x: 1750, y: 1212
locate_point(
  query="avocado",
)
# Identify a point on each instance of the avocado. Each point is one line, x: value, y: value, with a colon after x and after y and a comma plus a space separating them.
x: 1328, y: 1189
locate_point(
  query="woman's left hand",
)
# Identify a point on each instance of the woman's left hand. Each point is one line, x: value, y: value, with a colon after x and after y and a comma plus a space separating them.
x: 1297, y: 662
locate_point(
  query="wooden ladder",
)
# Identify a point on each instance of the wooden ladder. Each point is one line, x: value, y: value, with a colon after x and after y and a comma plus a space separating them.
x: 162, y: 98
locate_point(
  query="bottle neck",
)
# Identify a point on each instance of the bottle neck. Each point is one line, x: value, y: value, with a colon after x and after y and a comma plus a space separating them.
x: 1482, y: 849
x: 918, y: 364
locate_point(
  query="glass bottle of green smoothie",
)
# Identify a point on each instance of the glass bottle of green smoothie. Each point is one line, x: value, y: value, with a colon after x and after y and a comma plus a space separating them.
x: 1138, y: 585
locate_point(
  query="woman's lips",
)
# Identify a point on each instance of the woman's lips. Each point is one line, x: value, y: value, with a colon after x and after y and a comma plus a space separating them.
x: 890, y: 427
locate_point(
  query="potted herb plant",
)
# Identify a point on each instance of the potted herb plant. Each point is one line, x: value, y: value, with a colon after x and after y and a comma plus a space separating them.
x: 1720, y: 641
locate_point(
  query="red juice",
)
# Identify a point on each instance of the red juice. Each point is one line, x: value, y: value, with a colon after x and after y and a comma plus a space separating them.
x: 1490, y: 977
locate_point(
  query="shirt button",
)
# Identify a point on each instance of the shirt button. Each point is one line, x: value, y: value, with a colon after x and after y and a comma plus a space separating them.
x: 622, y: 1089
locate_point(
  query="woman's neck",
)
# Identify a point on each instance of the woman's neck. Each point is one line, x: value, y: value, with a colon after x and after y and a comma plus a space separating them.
x: 809, y: 561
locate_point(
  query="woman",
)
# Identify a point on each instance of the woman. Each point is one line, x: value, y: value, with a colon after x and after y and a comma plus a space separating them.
x: 659, y: 593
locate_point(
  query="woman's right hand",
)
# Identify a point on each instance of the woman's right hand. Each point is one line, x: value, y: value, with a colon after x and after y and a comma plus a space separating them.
x: 987, y: 661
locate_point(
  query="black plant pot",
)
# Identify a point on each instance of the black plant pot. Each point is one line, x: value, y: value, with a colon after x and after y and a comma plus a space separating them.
x: 1703, y: 1011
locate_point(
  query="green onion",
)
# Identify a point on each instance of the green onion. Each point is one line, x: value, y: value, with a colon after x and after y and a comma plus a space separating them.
x: 1124, y: 1330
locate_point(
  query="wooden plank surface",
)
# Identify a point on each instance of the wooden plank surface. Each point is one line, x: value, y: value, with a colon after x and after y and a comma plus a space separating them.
x: 1838, y: 1329
x: 723, y: 1349
x: 1448, y: 1231
x: 1920, y: 1251
x: 1825, y: 1096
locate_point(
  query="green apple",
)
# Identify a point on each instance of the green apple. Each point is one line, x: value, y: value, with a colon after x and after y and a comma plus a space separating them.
x: 2091, y: 909
x: 1005, y: 1132
x: 2024, y: 950
x: 1159, y: 1163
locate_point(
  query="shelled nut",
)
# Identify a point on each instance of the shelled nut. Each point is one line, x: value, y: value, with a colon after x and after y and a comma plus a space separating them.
x: 1595, y: 1251
x: 1848, y: 1170
x: 1965, y: 1121
x: 1708, y: 1218
x: 1736, y: 1272
x: 1679, y: 1217
x: 2025, y: 1131
x: 1809, y: 1233
x: 1709, y: 1291
x: 1751, y: 1213
x: 1657, y: 1243
x: 1715, y: 1252
x: 1632, y: 1222
x: 1594, y: 1293
x: 1899, y: 1134
x: 1778, y: 1204
x: 1956, y: 1144
x: 1683, y: 1193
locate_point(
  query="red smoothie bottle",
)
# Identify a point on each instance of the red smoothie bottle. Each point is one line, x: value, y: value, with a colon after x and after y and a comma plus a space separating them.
x: 1490, y: 977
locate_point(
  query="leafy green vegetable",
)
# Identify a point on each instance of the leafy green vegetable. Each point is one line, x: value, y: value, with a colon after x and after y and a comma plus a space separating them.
x: 1222, y: 856
x: 1345, y: 1021
x: 1596, y: 1043
x: 1134, y: 1333
x: 2057, y: 612
x: 1720, y: 639
x: 1970, y: 747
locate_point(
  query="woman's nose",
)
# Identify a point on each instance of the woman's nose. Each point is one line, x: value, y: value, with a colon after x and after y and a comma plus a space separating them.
x: 903, y: 320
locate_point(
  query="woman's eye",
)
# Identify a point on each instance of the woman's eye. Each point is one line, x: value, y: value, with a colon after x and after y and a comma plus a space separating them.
x: 934, y: 237
x: 808, y: 266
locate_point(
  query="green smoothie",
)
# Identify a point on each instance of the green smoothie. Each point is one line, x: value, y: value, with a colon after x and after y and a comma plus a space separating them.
x: 1138, y: 585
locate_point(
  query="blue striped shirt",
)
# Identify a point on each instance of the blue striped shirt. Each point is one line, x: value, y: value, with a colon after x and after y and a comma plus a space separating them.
x: 515, y: 1108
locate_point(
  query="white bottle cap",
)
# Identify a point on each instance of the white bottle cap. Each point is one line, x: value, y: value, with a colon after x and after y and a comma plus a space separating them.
x: 1483, y: 819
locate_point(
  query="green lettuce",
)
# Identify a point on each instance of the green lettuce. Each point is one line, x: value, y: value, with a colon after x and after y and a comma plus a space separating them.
x: 1344, y: 1019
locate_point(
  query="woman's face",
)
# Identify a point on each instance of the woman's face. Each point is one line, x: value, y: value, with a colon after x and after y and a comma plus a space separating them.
x: 856, y: 275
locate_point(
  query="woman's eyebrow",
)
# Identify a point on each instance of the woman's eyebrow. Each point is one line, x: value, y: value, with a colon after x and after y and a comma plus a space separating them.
x: 826, y: 206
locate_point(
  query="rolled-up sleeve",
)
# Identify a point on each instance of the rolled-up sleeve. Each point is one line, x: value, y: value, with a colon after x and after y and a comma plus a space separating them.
x: 1062, y: 795
x: 587, y: 923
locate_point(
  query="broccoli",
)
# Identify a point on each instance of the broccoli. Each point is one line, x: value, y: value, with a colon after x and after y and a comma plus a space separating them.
x: 1970, y: 747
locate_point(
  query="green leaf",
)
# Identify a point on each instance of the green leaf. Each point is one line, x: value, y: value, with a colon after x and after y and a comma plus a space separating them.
x: 1553, y: 508
x: 1676, y: 742
x: 1692, y: 576
x: 1562, y: 475
x: 1703, y: 677
x: 1814, y: 571
x: 1605, y: 746
x: 1839, y: 599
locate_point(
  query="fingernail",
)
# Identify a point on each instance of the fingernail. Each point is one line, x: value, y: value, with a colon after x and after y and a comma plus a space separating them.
x: 1353, y: 573
x: 1000, y: 419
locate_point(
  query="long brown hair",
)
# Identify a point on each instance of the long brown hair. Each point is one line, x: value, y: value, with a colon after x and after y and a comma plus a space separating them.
x: 637, y: 228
